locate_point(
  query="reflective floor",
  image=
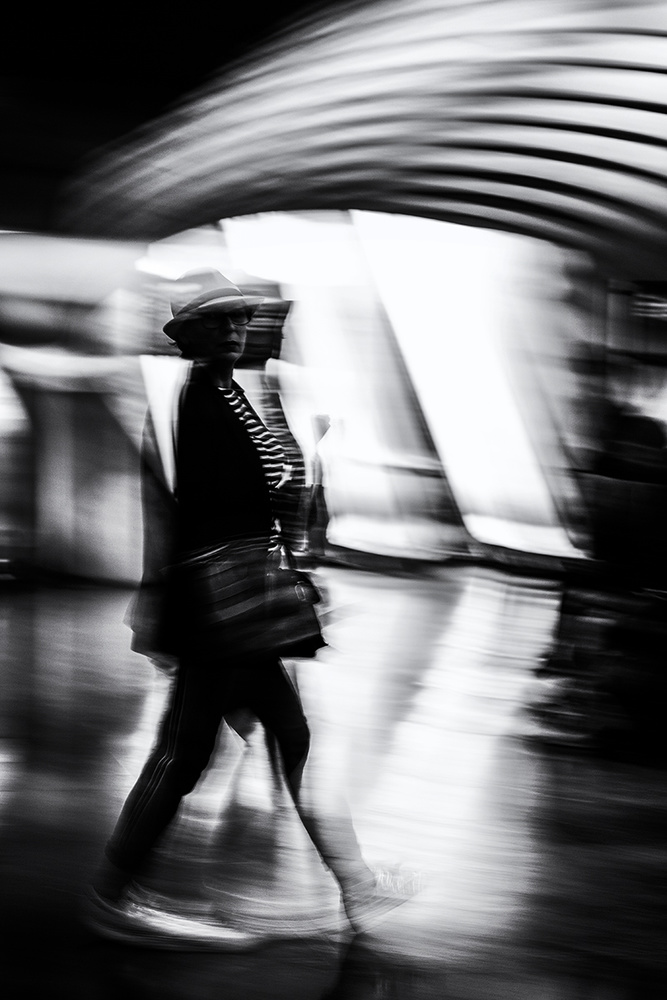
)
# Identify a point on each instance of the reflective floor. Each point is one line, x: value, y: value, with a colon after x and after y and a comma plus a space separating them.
x: 543, y: 872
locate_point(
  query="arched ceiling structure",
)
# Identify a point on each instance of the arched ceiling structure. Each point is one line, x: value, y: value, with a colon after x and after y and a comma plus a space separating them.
x: 542, y: 117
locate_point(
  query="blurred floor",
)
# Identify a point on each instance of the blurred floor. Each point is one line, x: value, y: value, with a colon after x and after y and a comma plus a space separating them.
x: 544, y: 874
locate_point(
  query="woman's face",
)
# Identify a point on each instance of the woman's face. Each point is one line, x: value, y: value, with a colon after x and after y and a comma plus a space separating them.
x: 216, y: 337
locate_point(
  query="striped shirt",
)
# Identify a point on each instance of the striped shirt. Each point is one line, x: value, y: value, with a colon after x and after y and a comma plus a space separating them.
x: 272, y: 455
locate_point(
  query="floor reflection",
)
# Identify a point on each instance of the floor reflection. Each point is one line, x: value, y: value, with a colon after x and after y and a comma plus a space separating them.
x: 543, y: 869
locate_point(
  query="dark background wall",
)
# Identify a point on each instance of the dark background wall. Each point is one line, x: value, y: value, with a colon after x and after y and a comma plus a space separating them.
x: 74, y: 79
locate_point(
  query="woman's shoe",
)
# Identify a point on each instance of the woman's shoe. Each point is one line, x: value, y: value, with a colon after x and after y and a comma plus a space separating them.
x: 368, y: 902
x: 131, y: 921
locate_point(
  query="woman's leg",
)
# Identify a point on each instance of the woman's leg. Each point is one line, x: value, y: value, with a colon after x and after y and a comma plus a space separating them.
x: 367, y: 894
x: 273, y: 698
x: 201, y: 695
x: 276, y: 702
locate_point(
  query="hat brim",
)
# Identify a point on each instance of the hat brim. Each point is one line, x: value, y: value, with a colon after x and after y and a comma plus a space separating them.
x: 223, y: 304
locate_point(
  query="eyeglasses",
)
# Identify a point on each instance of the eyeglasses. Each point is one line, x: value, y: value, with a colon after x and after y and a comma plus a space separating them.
x: 214, y: 320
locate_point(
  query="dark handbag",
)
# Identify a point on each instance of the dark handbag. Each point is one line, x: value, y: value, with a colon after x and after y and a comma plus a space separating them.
x: 240, y: 601
x: 293, y: 625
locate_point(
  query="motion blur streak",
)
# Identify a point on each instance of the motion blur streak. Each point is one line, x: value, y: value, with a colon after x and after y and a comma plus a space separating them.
x: 459, y: 207
x: 544, y: 119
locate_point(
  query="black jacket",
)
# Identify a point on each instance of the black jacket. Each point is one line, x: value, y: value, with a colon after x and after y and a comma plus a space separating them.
x: 221, y: 494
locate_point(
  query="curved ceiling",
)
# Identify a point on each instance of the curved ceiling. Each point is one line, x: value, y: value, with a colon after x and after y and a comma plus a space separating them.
x: 544, y: 118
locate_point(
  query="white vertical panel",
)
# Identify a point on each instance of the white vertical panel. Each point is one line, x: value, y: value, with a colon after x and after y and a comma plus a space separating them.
x: 443, y: 288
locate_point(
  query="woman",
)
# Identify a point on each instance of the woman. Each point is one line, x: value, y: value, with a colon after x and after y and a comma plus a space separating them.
x: 230, y: 473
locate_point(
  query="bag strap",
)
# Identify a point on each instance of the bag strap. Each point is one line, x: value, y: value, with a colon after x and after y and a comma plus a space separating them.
x: 286, y: 548
x: 289, y: 555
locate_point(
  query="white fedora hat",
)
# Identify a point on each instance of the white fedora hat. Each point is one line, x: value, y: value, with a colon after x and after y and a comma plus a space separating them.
x: 207, y: 291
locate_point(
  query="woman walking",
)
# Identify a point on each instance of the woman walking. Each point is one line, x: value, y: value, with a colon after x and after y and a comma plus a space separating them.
x: 230, y: 475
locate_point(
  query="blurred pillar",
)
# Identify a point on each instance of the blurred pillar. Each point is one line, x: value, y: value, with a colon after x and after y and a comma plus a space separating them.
x: 16, y: 487
x: 379, y: 485
x: 85, y: 431
x: 626, y: 475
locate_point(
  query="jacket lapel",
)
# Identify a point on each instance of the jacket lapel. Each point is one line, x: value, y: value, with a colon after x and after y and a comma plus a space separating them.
x: 164, y: 378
